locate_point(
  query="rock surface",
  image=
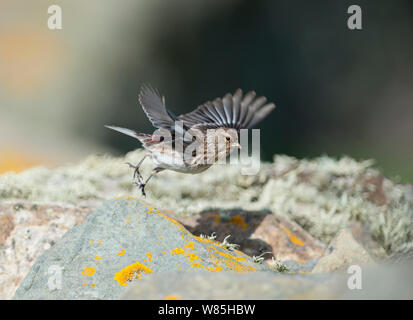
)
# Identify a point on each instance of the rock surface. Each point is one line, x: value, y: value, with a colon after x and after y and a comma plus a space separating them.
x: 343, y: 252
x: 257, y: 285
x: 322, y: 195
x: 289, y: 202
x: 376, y: 282
x: 258, y: 232
x: 123, y: 241
x: 26, y: 231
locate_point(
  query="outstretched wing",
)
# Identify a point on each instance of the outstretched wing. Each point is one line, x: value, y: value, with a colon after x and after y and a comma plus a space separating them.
x: 232, y: 111
x: 154, y: 107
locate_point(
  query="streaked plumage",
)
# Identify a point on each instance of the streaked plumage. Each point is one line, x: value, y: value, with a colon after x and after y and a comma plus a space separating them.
x: 167, y: 148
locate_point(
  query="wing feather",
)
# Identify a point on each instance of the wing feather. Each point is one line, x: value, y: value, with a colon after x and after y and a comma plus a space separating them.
x: 154, y: 107
x: 232, y: 111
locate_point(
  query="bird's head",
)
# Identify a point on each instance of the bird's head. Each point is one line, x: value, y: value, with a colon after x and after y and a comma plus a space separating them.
x: 224, y: 139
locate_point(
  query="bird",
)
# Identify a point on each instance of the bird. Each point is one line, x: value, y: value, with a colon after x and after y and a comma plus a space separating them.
x: 192, y: 142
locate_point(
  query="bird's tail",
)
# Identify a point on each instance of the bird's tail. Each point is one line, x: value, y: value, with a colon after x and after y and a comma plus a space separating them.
x: 145, y: 139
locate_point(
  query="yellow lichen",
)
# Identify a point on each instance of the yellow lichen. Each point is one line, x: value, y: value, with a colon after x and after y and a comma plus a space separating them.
x: 177, y: 251
x: 88, y: 271
x: 227, y: 255
x: 293, y: 238
x: 189, y: 245
x: 98, y: 258
x: 206, y: 240
x: 216, y: 269
x: 172, y: 297
x: 238, y: 221
x: 121, y: 252
x: 237, y: 267
x: 127, y: 274
x: 87, y: 284
x: 180, y: 226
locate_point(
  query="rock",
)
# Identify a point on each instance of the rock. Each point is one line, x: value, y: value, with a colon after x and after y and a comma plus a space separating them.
x: 303, y: 268
x: 257, y: 285
x: 124, y: 240
x: 257, y: 232
x: 26, y: 231
x: 383, y: 281
x: 322, y: 195
x: 363, y: 236
x: 342, y: 252
x: 376, y: 282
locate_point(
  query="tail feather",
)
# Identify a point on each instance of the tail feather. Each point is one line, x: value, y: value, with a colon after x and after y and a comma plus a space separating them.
x: 146, y: 139
x: 128, y: 132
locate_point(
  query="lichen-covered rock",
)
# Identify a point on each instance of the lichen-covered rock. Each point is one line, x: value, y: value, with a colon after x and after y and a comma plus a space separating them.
x: 342, y: 252
x: 322, y: 195
x: 258, y: 232
x: 26, y: 231
x: 315, y: 197
x: 123, y: 241
x: 257, y: 285
x: 375, y: 282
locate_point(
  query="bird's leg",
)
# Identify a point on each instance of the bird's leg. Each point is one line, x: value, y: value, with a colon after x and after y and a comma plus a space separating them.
x: 136, y: 173
x: 142, y: 185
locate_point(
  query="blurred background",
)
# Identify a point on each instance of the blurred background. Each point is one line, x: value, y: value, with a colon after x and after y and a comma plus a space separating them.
x: 337, y: 91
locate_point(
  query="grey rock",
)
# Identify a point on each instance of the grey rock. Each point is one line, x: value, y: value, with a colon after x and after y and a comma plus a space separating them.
x: 224, y: 286
x: 384, y: 281
x: 124, y: 240
x: 300, y: 268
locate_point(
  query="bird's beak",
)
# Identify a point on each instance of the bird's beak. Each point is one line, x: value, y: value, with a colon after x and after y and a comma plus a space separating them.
x: 236, y: 145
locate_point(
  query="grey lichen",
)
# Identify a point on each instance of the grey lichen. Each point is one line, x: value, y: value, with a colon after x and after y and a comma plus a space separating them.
x: 229, y: 246
x: 279, y: 266
x: 323, y: 194
x: 213, y: 236
x: 259, y: 259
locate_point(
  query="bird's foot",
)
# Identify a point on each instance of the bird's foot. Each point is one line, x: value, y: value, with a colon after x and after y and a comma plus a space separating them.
x: 136, y: 173
x: 142, y: 187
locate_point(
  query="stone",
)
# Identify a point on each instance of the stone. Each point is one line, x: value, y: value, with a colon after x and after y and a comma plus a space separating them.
x: 384, y: 281
x: 322, y: 195
x: 363, y: 236
x: 226, y: 286
x: 123, y: 241
x: 342, y: 252
x: 26, y: 231
x: 258, y: 232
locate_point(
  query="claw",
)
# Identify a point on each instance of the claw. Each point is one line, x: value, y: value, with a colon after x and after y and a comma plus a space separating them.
x: 143, y: 190
x: 142, y: 187
x: 136, y: 173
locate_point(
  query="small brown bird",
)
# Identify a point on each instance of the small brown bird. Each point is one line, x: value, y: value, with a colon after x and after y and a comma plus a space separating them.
x: 194, y: 141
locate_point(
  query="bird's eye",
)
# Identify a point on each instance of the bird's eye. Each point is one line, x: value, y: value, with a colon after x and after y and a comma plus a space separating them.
x: 228, y: 138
